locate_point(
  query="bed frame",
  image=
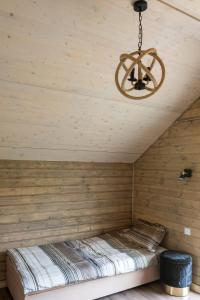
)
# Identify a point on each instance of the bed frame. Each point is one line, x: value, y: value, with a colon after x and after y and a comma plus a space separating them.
x: 88, y: 290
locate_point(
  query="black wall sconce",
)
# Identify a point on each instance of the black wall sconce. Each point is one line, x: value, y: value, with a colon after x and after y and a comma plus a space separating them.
x: 185, y: 174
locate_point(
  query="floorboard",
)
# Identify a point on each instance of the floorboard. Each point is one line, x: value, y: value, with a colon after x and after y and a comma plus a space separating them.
x: 151, y: 291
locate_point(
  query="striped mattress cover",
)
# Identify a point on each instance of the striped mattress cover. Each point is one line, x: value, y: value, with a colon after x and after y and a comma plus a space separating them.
x: 56, y: 265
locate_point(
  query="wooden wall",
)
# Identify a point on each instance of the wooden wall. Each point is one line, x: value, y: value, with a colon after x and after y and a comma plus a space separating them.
x: 50, y: 201
x: 161, y: 197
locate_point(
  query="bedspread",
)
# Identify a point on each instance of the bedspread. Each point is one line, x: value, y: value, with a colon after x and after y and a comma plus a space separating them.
x: 69, y: 262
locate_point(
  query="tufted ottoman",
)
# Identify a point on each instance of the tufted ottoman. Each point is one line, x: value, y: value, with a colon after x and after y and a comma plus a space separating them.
x: 176, y: 272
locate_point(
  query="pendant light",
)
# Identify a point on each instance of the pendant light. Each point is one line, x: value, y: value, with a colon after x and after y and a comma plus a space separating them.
x: 134, y: 76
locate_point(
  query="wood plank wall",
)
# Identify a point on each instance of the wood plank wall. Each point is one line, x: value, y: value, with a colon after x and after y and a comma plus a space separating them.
x: 50, y: 201
x: 161, y: 197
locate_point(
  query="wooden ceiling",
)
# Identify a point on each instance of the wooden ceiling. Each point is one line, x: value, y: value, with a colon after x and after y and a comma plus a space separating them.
x: 190, y: 7
x: 58, y: 99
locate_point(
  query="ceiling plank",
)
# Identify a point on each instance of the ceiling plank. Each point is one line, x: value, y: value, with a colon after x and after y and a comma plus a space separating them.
x: 190, y: 8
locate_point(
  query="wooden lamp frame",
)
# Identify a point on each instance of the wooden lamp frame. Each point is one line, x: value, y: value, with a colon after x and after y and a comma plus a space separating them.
x: 136, y: 58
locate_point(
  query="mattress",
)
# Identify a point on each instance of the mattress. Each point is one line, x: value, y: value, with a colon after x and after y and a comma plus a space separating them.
x: 60, y: 264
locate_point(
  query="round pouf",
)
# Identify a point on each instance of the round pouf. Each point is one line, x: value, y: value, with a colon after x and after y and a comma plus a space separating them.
x: 176, y: 272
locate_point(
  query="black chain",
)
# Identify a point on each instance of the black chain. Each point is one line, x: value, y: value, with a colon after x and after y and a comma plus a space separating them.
x: 140, y: 34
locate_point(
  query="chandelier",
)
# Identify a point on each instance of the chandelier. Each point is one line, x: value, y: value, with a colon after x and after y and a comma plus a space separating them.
x: 141, y: 73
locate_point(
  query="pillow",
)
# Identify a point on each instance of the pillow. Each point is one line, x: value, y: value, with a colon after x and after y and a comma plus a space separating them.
x: 147, y: 235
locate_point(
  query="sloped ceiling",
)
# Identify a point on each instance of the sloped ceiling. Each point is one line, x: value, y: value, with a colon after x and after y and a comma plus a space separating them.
x: 58, y: 99
x: 190, y: 7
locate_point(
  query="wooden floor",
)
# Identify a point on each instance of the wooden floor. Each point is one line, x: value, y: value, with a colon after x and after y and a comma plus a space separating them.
x: 147, y: 292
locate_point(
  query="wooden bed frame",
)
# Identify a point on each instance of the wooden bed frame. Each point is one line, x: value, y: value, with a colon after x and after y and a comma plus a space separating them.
x: 87, y: 290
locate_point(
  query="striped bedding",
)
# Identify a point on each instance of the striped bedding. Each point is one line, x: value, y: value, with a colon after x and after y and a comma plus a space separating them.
x: 70, y: 262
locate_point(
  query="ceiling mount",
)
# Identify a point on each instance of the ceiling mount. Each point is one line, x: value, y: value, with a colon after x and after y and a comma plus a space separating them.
x: 140, y: 5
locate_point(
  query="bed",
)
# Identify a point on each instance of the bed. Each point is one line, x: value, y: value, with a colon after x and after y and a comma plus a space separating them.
x: 83, y: 269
